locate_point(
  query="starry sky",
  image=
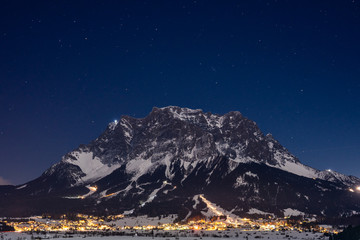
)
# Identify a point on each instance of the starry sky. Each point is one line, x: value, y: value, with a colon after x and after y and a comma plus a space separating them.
x: 68, y: 68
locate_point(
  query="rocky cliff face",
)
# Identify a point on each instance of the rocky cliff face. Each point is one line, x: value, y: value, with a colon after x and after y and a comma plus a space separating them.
x: 162, y: 163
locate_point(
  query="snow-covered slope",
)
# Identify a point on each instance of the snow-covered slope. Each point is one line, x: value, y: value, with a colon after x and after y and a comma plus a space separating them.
x: 284, y: 160
x: 91, y: 166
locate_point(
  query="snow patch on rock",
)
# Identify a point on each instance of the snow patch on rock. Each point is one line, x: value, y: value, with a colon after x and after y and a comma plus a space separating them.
x: 257, y: 211
x: 292, y: 212
x: 90, y: 165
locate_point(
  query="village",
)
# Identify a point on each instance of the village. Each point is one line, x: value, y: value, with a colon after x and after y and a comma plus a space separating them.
x: 116, y: 224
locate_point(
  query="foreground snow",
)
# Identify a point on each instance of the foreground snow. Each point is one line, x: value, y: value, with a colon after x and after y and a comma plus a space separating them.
x: 172, y: 235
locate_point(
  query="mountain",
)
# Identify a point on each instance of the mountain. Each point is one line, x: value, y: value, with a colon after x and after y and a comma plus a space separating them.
x: 178, y: 161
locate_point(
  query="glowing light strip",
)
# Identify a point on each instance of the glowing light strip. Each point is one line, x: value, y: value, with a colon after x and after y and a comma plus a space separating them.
x: 216, y: 211
x: 210, y: 206
x: 92, y: 188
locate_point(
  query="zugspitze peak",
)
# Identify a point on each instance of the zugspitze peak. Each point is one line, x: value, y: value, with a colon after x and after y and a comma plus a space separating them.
x: 177, y: 160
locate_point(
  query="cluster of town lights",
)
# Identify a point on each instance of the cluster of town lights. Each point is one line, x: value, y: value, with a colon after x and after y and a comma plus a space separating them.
x: 357, y: 189
x: 219, y: 222
x: 86, y: 223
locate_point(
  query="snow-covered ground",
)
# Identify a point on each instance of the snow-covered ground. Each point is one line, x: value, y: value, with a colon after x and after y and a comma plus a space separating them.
x: 174, y: 235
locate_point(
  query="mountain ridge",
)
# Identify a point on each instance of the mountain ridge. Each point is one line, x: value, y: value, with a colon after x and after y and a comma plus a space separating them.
x: 174, y: 154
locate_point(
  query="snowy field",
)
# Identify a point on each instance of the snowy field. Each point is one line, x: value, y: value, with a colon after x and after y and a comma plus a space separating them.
x: 171, y: 235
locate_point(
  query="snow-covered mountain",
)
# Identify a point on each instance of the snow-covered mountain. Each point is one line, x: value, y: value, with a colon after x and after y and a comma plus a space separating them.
x: 160, y: 163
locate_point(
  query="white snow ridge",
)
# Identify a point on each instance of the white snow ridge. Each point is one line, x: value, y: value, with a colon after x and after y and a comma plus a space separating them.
x: 91, y: 166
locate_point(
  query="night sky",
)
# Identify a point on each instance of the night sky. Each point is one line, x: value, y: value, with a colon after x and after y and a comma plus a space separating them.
x: 68, y: 68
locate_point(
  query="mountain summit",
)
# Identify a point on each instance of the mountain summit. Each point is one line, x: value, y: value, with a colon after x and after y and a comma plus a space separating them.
x: 175, y: 161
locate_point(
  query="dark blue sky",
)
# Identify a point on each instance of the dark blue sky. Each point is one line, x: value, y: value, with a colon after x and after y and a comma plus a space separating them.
x: 67, y: 68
